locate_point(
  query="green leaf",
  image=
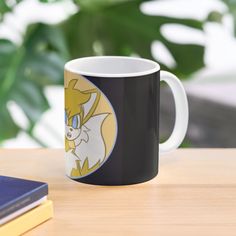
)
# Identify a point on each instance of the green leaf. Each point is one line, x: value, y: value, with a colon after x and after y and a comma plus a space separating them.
x: 98, y: 4
x: 49, y: 1
x: 4, y: 7
x: 122, y: 29
x: 7, y: 6
x: 215, y: 16
x: 31, y: 99
x: 25, y: 70
x: 189, y: 58
x: 8, y: 128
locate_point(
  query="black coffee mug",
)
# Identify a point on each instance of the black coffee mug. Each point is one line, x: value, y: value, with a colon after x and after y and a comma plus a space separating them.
x: 112, y: 119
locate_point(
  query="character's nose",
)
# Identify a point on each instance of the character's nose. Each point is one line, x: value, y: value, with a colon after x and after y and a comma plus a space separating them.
x: 71, y: 129
x: 69, y: 135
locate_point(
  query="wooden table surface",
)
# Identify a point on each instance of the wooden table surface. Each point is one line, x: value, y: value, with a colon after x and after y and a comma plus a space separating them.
x: 194, y: 194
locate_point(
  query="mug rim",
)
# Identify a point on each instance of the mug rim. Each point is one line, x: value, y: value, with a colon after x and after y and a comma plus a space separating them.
x: 72, y: 66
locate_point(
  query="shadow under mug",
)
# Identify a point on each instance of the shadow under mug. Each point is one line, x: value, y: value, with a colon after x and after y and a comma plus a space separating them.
x: 112, y: 119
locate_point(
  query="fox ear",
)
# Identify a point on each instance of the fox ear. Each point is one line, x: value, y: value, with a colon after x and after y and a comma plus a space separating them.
x: 72, y: 83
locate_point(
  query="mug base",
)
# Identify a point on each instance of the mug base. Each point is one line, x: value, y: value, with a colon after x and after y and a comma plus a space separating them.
x: 131, y: 182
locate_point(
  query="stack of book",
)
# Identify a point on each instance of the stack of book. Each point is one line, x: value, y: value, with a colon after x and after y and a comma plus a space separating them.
x: 23, y: 205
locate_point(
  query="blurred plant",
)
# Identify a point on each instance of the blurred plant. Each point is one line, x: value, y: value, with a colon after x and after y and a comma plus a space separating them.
x: 101, y: 27
x: 216, y: 16
x: 232, y: 10
x: 24, y: 72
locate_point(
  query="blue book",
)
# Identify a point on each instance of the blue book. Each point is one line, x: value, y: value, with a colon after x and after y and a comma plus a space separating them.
x: 16, y: 194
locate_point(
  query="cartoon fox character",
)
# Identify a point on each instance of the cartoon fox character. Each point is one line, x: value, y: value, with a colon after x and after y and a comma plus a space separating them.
x: 85, y: 147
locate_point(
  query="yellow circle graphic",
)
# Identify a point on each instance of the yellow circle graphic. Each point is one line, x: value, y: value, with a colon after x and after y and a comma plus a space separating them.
x: 90, y: 126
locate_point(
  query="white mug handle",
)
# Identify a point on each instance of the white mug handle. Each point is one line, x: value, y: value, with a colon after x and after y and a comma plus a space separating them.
x: 181, y: 110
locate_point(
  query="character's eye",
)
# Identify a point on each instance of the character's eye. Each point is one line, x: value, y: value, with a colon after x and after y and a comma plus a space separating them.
x: 66, y: 118
x: 75, y: 122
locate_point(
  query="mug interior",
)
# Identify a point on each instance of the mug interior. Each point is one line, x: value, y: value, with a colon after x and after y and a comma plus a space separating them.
x: 112, y: 66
